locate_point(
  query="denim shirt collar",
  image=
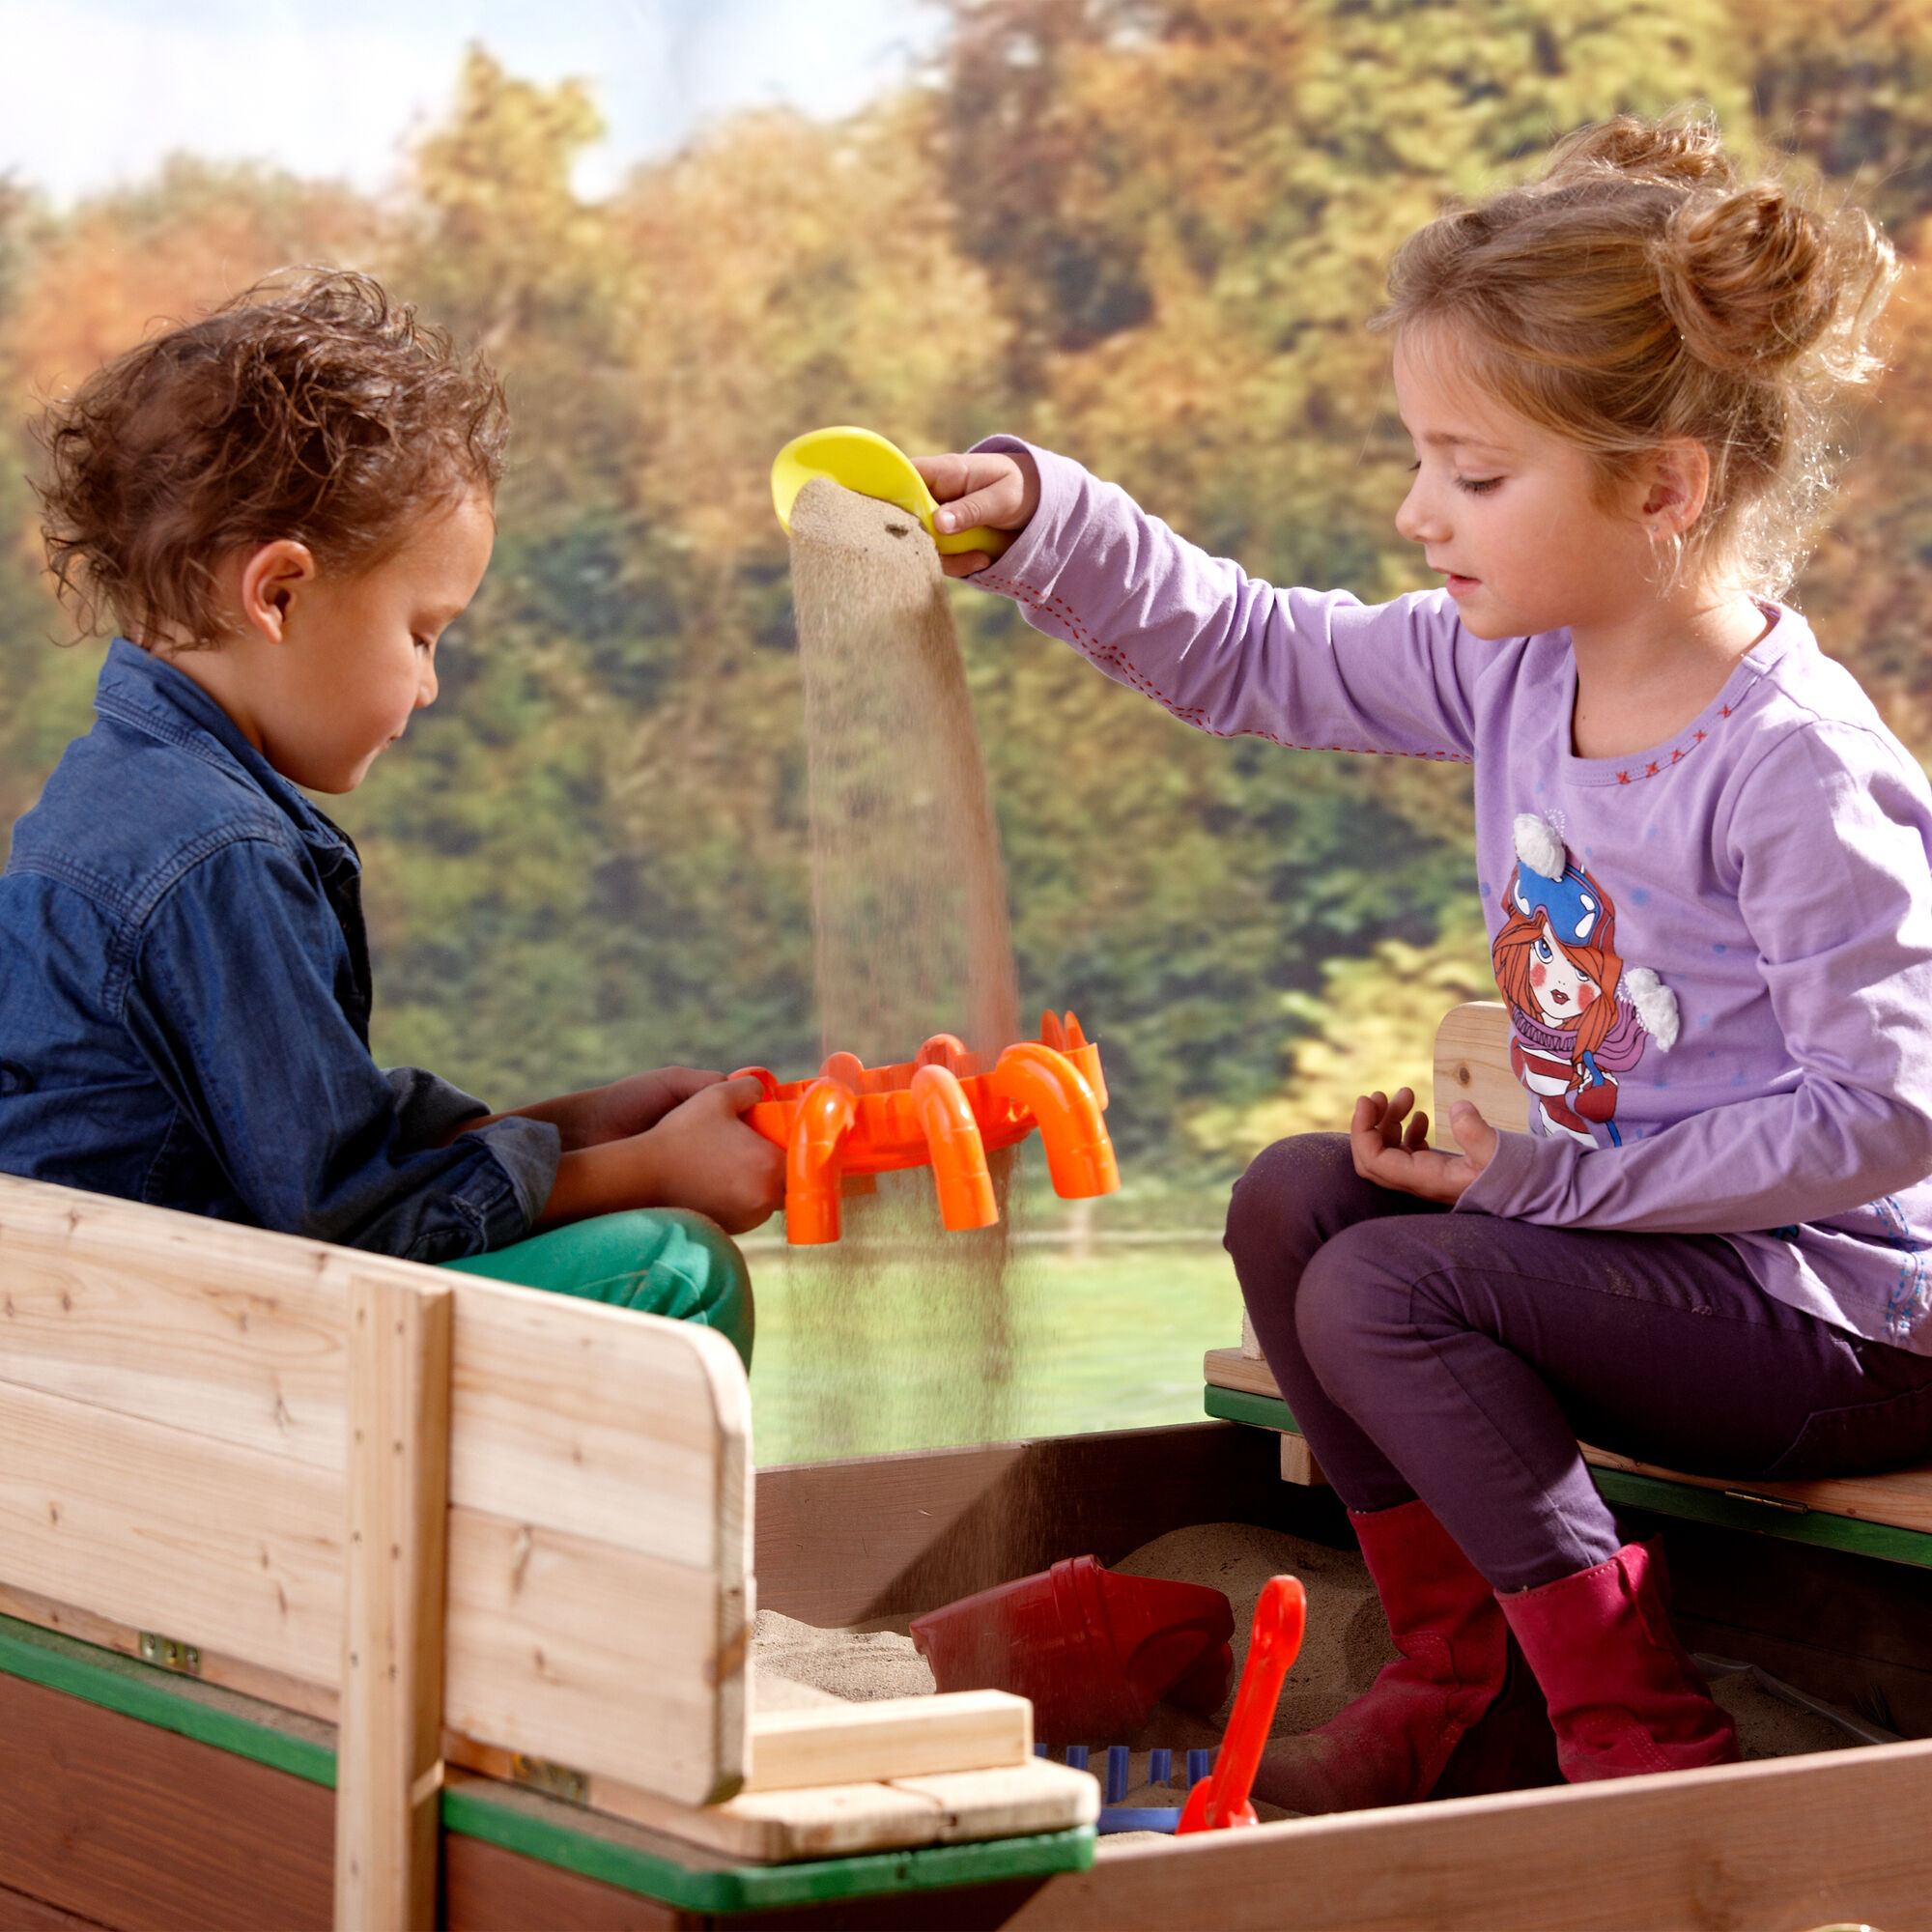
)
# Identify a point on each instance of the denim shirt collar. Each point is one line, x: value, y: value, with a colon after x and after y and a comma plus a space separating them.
x: 136, y: 687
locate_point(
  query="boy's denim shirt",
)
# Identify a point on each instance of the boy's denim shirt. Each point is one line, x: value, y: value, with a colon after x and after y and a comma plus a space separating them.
x: 184, y: 1000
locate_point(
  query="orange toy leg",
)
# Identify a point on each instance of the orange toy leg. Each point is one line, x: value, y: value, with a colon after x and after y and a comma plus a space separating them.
x: 812, y: 1163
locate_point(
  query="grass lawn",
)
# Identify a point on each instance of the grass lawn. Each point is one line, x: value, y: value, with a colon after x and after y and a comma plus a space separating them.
x: 905, y: 1355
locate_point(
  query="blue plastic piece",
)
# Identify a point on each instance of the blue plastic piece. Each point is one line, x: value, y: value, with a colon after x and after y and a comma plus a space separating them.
x: 1199, y: 1764
x: 1039, y: 1750
x: 1117, y: 1774
x: 1138, y: 1818
x: 1076, y: 1756
x: 1161, y: 1766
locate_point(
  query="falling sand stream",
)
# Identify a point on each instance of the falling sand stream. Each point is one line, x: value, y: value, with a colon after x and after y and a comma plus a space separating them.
x: 910, y: 909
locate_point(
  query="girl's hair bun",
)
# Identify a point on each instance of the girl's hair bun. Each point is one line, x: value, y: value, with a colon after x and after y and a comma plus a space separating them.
x: 1686, y: 151
x: 1751, y: 278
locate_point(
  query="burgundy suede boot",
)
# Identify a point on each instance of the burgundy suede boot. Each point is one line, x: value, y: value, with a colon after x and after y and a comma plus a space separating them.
x: 1456, y: 1714
x: 1624, y: 1695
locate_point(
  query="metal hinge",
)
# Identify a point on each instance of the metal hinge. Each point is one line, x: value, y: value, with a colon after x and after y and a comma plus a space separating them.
x: 554, y: 1780
x: 170, y: 1653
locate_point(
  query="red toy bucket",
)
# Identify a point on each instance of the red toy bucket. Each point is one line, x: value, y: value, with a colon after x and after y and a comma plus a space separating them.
x: 1092, y: 1650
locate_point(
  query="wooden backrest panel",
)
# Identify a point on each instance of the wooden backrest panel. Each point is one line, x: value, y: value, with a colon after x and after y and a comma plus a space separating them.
x: 173, y: 1394
x: 1472, y: 1063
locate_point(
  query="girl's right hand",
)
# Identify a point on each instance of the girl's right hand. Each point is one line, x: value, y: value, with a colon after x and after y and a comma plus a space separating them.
x: 996, y: 488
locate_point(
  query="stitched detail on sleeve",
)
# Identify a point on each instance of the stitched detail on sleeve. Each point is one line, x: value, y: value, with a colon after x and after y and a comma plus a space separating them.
x: 1110, y: 659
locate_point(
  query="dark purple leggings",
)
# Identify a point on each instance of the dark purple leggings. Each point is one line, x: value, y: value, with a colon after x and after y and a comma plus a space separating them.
x: 1459, y: 1357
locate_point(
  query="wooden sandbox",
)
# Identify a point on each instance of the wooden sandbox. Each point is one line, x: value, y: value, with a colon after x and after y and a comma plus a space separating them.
x: 338, y: 1591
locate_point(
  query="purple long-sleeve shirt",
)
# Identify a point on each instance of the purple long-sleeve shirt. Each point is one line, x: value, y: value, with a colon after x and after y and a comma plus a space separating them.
x: 1753, y: 898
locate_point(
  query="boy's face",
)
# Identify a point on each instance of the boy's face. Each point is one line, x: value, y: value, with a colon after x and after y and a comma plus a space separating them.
x: 325, y: 669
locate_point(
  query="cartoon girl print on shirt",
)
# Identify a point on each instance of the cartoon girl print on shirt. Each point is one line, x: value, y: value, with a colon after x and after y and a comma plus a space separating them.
x: 1577, y: 1020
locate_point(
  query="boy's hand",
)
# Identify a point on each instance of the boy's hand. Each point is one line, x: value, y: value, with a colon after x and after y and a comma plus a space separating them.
x: 996, y: 488
x: 702, y: 1156
x: 1399, y: 1156
x: 636, y: 1105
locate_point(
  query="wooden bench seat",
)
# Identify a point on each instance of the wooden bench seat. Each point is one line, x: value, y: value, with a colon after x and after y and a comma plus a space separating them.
x: 1888, y: 1515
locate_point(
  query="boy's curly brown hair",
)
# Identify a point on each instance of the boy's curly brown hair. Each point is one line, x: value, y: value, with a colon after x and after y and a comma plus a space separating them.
x: 310, y: 408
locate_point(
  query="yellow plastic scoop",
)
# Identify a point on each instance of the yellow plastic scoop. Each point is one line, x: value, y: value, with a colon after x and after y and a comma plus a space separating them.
x: 859, y: 460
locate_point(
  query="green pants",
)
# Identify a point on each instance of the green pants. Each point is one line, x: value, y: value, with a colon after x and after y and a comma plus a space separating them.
x: 661, y: 1260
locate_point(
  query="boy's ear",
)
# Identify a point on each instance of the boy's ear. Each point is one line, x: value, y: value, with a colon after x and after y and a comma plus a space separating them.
x: 272, y: 579
x: 1676, y: 486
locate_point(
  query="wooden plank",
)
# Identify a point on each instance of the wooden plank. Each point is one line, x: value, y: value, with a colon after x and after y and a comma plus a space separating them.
x: 1230, y: 1369
x: 1036, y: 1796
x: 1900, y: 1497
x: 1778, y: 1845
x: 211, y: 1666
x: 596, y: 1420
x: 232, y: 1332
x: 1298, y: 1464
x: 1251, y: 1346
x: 889, y: 1738
x: 486, y: 1888
x: 20, y: 1914
x: 589, y: 1656
x: 198, y: 1539
x: 122, y: 1822
x: 1472, y: 1063
x: 388, y: 1765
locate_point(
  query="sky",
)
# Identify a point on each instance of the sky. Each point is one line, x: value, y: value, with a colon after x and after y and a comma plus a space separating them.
x: 95, y: 93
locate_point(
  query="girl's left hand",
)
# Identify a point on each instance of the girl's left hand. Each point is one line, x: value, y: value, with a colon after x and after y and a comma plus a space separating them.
x: 1399, y: 1156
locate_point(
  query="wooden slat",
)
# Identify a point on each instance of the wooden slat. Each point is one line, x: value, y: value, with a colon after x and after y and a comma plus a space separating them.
x: 824, y: 1821
x: 1231, y: 1369
x: 581, y: 1417
x: 889, y: 1738
x: 1776, y: 1846
x: 1298, y: 1464
x: 173, y: 1532
x: 388, y: 1783
x: 593, y: 1657
x: 228, y: 1331
x: 1472, y: 1063
x: 1901, y: 1497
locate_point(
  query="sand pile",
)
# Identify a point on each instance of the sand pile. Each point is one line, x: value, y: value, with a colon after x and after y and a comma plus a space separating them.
x: 855, y: 1666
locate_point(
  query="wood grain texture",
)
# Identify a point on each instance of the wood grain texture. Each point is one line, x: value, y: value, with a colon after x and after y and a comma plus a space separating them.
x: 232, y: 1332
x: 1776, y: 1846
x: 1298, y: 1464
x: 389, y: 1780
x: 1472, y: 1063
x: 230, y: 1673
x: 824, y: 1821
x: 175, y: 1532
x: 145, y: 1831
x: 485, y: 1888
x: 1231, y: 1369
x: 20, y: 1914
x: 593, y: 1657
x: 889, y: 1738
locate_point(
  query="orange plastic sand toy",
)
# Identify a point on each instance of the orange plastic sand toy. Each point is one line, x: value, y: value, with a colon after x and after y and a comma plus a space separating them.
x: 947, y: 1109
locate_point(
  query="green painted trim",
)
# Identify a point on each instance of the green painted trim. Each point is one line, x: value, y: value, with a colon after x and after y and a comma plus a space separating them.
x: 205, y: 1712
x: 1819, y: 1527
x: 1259, y: 1412
x: 1662, y: 1497
x: 520, y: 1821
x: 542, y: 1827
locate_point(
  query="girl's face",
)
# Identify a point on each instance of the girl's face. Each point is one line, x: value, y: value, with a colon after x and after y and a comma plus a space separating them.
x: 1563, y: 992
x: 1510, y: 513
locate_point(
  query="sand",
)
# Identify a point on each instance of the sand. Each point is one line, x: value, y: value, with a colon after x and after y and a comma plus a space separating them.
x: 840, y: 1665
x: 911, y: 939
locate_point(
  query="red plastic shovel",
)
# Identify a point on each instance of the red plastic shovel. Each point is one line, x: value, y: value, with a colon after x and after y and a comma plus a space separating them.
x: 1221, y: 1801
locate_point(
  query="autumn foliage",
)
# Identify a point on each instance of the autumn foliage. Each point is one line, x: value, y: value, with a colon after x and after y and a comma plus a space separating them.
x: 1147, y: 232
